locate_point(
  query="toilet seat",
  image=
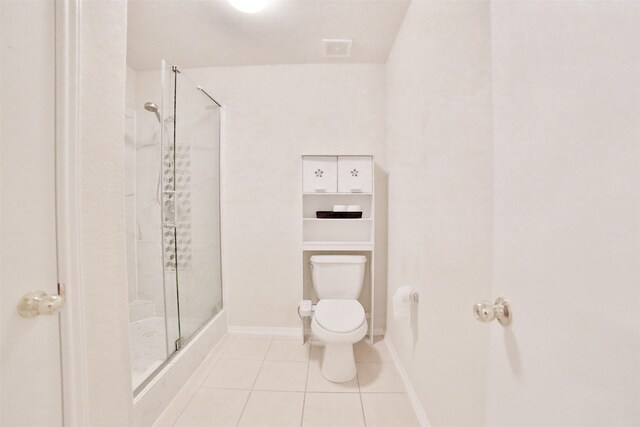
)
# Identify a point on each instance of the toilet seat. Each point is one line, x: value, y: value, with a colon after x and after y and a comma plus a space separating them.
x: 339, y: 321
x: 340, y: 316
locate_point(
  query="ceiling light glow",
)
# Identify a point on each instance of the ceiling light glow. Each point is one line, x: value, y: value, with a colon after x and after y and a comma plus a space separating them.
x: 249, y: 6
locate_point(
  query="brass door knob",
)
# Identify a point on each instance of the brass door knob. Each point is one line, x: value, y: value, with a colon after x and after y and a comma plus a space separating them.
x: 484, y: 311
x: 39, y: 302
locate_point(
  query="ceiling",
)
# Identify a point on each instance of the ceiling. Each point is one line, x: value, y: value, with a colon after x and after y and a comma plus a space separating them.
x: 195, y: 33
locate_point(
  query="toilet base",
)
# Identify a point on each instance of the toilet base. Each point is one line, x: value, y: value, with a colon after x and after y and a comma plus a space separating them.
x: 338, y: 362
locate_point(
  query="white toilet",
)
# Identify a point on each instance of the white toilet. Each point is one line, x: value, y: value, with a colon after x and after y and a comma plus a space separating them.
x: 339, y: 320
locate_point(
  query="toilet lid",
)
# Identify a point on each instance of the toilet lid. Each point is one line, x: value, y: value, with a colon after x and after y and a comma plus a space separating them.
x: 339, y: 315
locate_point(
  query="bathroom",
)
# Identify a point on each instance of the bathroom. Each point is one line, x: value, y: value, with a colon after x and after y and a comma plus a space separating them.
x: 164, y: 261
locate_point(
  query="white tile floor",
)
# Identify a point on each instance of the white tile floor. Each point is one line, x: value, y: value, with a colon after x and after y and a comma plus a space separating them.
x: 263, y: 381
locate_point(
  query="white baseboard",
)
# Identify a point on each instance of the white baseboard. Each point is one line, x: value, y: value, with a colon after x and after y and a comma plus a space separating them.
x: 257, y: 330
x: 411, y: 392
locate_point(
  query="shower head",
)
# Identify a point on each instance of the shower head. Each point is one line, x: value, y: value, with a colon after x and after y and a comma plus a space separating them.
x: 150, y: 106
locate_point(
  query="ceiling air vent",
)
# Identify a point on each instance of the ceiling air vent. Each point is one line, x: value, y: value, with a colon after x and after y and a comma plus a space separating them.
x: 336, y: 48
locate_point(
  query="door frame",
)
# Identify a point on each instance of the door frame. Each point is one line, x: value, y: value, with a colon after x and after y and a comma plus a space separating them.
x: 75, y: 397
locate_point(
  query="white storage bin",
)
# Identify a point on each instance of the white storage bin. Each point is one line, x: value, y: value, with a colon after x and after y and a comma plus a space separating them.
x: 355, y: 174
x: 319, y: 174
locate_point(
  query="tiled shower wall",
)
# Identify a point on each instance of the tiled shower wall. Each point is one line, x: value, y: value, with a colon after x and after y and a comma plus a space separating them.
x: 143, y: 216
x: 130, y: 202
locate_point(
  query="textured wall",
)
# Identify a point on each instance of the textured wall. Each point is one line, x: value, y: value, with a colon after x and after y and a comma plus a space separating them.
x: 440, y: 197
x: 102, y: 95
x: 545, y: 203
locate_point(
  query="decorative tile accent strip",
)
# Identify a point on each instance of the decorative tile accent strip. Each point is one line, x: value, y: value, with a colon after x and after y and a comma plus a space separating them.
x: 183, y: 206
x: 168, y: 208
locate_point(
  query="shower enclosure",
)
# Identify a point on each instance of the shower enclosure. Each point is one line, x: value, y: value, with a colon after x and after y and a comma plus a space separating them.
x: 172, y: 157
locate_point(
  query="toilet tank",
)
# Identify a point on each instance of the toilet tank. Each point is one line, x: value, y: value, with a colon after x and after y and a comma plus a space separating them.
x: 337, y: 276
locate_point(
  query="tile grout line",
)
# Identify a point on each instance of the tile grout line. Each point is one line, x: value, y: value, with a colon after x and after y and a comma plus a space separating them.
x: 254, y: 382
x: 192, y: 397
x: 205, y: 378
x: 262, y: 364
x: 243, y: 408
x: 306, y: 381
x: 246, y: 389
x: 265, y: 359
x: 376, y: 363
x: 364, y: 419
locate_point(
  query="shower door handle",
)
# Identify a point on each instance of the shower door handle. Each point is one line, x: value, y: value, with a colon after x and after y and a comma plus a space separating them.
x: 39, y: 302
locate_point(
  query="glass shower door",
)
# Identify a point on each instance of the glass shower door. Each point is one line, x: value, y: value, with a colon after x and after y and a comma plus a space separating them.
x: 172, y: 165
x: 197, y: 206
x: 167, y: 191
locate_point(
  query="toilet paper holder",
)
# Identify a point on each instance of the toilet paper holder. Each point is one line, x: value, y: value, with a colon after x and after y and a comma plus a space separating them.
x: 408, y: 293
x: 485, y: 312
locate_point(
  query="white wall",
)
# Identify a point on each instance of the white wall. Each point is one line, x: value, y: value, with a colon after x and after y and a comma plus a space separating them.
x: 273, y: 115
x: 130, y: 90
x: 143, y: 211
x: 102, y: 221
x: 130, y: 201
x: 566, y: 78
x: 143, y: 222
x: 440, y: 202
x: 545, y: 203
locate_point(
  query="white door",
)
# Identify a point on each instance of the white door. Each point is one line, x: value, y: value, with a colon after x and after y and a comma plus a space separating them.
x: 567, y: 214
x: 30, y: 379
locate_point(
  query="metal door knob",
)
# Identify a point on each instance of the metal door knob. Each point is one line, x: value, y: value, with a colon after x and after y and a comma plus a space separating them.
x: 39, y: 302
x: 501, y: 310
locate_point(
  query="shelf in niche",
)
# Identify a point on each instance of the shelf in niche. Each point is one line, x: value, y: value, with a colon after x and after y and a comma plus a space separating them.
x: 337, y: 246
x: 337, y: 219
x: 337, y: 194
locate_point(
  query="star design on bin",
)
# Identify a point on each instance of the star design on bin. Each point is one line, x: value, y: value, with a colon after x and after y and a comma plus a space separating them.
x: 319, y: 173
x: 354, y: 172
